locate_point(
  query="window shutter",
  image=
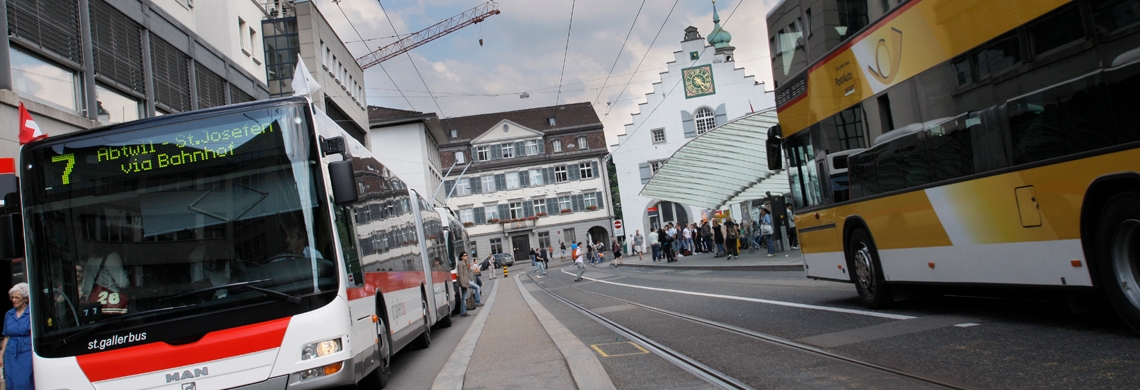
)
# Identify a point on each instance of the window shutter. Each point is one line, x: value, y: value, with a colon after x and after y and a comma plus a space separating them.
x: 520, y: 149
x: 528, y: 208
x: 524, y: 178
x: 476, y: 186
x: 600, y: 199
x: 573, y: 172
x: 480, y: 216
x: 447, y: 186
x: 541, y: 147
x: 500, y: 182
x: 552, y: 206
x: 594, y: 166
x: 496, y: 152
x: 504, y: 211
x: 721, y: 115
x: 474, y: 154
x: 687, y: 123
x: 576, y: 203
x: 646, y: 173
x: 548, y: 175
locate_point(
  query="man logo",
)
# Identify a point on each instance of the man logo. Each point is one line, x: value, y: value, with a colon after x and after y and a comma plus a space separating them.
x: 179, y: 376
x: 894, y: 56
x: 189, y: 386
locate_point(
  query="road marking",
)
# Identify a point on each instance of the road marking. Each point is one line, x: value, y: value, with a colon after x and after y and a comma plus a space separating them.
x: 757, y: 300
x: 638, y: 350
x: 611, y: 309
x: 966, y: 325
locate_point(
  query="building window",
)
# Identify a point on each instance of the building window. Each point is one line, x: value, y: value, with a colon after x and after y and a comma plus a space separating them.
x: 462, y: 187
x: 459, y: 158
x: 241, y: 38
x: 655, y: 165
x: 531, y: 148
x: 586, y: 170
x: 591, y: 200
x: 544, y: 241
x: 454, y: 133
x: 556, y: 146
x: 484, y: 154
x: 569, y: 235
x: 114, y: 107
x: 564, y: 204
x: 252, y: 39
x: 512, y: 180
x: 508, y: 150
x: 492, y: 213
x: 705, y: 120
x: 550, y: 121
x: 540, y: 207
x: 467, y: 216
x: 488, y: 184
x: 535, y: 177
x: 560, y: 174
x: 658, y: 136
x: 582, y: 144
x: 496, y: 246
x: 43, y: 80
x: 517, y: 210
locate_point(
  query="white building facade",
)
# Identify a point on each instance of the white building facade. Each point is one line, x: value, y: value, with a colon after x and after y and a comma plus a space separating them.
x: 701, y: 90
x: 407, y: 142
x: 536, y: 178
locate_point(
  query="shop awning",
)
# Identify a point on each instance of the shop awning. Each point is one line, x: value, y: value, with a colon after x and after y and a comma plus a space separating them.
x: 726, y: 165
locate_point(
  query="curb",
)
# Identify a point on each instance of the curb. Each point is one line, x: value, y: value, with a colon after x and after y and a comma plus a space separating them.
x: 451, y: 376
x: 584, y: 366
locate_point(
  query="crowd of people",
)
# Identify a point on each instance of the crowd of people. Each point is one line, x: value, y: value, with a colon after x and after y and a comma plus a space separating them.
x: 724, y: 237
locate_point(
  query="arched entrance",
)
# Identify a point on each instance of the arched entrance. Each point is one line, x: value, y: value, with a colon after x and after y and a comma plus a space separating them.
x: 666, y: 212
x: 598, y: 233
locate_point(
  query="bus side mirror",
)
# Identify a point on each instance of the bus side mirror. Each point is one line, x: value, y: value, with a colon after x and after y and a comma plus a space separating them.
x: 343, y: 182
x: 775, y: 157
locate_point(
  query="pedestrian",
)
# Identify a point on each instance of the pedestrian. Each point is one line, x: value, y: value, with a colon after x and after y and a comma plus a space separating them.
x: 638, y: 241
x: 590, y: 252
x: 707, y: 235
x: 655, y: 243
x: 544, y: 257
x: 671, y: 252
x: 766, y: 229
x: 731, y: 236
x: 533, y: 257
x: 793, y: 238
x: 490, y: 264
x: 687, y: 239
x: 476, y: 284
x: 17, y: 345
x: 718, y: 238
x: 579, y: 260
x: 541, y: 266
x: 562, y: 245
x: 617, y: 251
x: 463, y: 277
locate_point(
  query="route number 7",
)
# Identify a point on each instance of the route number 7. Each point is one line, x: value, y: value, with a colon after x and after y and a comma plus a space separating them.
x: 70, y: 159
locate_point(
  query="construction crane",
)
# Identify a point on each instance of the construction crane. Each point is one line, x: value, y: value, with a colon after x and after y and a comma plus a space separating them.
x: 435, y: 31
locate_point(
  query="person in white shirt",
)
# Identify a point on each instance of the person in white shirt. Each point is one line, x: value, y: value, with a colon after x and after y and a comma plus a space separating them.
x: 579, y: 259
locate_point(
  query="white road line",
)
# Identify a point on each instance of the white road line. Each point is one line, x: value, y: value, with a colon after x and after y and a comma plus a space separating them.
x: 756, y: 300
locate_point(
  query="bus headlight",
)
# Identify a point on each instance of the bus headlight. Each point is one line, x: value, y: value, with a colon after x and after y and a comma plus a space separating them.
x: 323, y: 348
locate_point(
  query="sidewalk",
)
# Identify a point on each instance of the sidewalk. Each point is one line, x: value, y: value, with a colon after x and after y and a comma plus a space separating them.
x: 789, y: 260
x: 516, y: 343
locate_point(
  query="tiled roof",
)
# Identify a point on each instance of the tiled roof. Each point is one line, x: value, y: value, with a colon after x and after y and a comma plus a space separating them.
x: 380, y: 113
x: 565, y: 116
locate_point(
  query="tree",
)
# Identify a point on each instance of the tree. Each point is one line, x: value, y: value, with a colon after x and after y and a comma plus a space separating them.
x: 611, y: 169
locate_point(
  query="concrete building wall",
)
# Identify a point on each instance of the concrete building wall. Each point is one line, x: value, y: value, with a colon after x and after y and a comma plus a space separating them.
x: 739, y: 92
x: 411, y: 154
x: 234, y: 28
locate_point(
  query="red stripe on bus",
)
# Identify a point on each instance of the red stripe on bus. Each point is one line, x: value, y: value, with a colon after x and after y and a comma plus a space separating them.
x: 162, y: 356
x: 791, y: 102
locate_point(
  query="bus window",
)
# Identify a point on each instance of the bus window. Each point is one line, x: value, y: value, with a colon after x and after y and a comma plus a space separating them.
x: 803, y: 174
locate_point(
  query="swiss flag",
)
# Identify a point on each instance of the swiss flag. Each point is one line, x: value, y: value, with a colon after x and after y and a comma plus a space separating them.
x: 29, y: 130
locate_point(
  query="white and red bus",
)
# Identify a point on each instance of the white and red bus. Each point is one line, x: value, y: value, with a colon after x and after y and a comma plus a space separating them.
x: 249, y: 245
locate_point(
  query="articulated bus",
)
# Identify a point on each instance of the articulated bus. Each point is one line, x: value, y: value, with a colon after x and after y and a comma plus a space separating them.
x: 458, y: 241
x: 1002, y: 150
x: 247, y: 246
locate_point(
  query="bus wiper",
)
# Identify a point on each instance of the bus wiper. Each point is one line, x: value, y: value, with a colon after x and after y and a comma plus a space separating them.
x: 116, y: 319
x: 275, y: 294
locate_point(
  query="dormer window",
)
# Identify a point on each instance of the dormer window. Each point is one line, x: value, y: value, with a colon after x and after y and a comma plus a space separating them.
x: 550, y: 121
x: 454, y: 133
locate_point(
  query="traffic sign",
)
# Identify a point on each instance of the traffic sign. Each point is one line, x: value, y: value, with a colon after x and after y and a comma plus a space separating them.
x: 617, y: 224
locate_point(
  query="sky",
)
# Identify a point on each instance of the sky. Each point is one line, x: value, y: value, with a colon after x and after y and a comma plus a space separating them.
x: 534, y: 47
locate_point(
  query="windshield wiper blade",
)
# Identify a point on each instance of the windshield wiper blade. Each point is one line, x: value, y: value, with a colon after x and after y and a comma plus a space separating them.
x: 116, y: 319
x: 275, y: 294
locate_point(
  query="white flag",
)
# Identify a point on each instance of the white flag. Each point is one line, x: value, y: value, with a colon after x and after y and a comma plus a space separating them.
x: 303, y: 83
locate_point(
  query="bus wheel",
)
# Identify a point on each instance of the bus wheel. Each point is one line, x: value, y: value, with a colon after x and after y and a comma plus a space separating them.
x: 378, y: 378
x: 863, y: 258
x: 1118, y: 250
x: 445, y: 316
x: 424, y: 341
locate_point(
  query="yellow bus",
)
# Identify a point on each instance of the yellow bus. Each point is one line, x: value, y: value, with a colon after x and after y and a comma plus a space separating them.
x: 1001, y: 143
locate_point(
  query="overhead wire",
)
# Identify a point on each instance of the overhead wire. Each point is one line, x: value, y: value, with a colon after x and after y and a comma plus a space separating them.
x: 565, y: 53
x: 623, y: 88
x: 337, y: 2
x: 614, y: 66
x: 409, y: 54
x: 627, y: 138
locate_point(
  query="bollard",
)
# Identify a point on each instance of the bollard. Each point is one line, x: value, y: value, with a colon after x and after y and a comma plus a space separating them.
x: 504, y: 271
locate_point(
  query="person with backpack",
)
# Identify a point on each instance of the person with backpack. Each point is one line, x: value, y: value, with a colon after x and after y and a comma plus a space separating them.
x: 731, y: 234
x: 718, y: 237
x: 617, y: 251
x: 707, y: 236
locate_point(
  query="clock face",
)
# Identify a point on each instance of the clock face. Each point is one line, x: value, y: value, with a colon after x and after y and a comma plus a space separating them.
x: 698, y: 81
